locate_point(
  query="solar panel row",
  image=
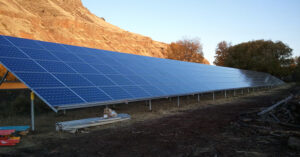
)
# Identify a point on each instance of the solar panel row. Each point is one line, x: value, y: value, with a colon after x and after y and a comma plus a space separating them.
x: 70, y: 76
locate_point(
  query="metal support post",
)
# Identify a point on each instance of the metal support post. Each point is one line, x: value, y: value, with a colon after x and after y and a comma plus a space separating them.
x: 225, y: 94
x: 150, y: 105
x: 198, y: 97
x: 213, y: 96
x: 32, y: 110
x: 65, y: 112
x: 178, y: 101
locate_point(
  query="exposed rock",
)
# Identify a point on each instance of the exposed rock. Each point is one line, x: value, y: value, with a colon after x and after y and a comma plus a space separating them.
x: 69, y: 22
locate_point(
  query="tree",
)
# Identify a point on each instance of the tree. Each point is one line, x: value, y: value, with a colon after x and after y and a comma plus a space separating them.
x: 260, y: 55
x: 296, y: 70
x: 189, y: 50
x: 221, y: 53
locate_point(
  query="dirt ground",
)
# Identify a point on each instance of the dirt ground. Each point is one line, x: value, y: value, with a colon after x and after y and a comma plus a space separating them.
x: 207, y: 128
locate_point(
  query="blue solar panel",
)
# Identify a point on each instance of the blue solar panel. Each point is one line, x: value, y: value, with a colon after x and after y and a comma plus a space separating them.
x: 153, y: 91
x: 120, y: 80
x: 91, y: 59
x: 91, y: 94
x: 56, y: 67
x: 66, y: 57
x: 24, y: 42
x: 137, y: 79
x: 75, y: 49
x: 104, y: 69
x: 83, y: 68
x: 8, y: 51
x: 5, y: 42
x: 170, y: 90
x: 107, y: 59
x: 39, y: 54
x: 136, y: 91
x: 67, y: 76
x: 155, y: 81
x: 14, y: 64
x: 117, y: 93
x: 54, y: 96
x: 73, y: 80
x: 39, y: 80
x: 123, y: 70
x: 52, y: 46
x: 99, y: 80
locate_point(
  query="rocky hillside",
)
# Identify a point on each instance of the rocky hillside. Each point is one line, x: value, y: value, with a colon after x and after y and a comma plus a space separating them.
x: 69, y: 22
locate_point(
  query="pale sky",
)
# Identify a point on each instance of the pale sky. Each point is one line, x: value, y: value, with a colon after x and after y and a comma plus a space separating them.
x: 211, y: 21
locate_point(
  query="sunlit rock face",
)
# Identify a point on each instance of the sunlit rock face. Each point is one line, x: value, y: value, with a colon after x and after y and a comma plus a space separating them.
x: 69, y: 22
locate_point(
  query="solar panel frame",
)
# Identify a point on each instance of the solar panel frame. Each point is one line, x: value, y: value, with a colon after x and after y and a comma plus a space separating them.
x: 35, y: 91
x: 129, y: 67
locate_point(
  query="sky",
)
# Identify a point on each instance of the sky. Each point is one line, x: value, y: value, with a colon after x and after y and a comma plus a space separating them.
x: 210, y: 21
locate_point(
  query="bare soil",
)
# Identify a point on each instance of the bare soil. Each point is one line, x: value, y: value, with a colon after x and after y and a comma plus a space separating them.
x: 207, y: 128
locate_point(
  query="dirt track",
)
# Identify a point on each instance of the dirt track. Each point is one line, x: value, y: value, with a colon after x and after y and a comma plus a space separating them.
x: 200, y: 132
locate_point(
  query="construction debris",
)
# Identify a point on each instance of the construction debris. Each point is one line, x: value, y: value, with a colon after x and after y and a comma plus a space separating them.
x: 275, y: 105
x: 75, y: 125
x: 6, y: 132
x: 279, y: 121
x: 286, y: 114
x: 109, y: 113
x: 21, y: 130
x: 11, y: 135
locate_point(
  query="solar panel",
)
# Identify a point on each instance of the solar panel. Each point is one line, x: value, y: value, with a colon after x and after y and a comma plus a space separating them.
x: 66, y: 76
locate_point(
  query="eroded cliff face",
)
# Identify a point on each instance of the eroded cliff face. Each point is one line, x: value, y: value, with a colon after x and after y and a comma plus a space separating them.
x: 69, y: 22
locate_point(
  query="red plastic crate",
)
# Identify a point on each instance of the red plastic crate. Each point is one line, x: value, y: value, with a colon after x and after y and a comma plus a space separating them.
x: 8, y: 142
x: 6, y: 132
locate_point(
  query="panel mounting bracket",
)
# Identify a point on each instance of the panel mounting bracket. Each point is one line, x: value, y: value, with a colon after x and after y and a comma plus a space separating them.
x: 4, y: 77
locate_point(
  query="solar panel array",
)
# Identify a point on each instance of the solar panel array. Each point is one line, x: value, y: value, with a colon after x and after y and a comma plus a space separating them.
x: 66, y: 76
